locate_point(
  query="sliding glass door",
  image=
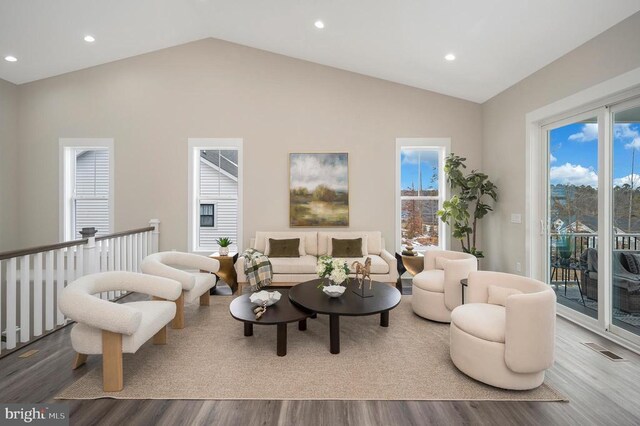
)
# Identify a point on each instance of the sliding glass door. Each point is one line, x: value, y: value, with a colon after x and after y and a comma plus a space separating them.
x: 625, y: 253
x: 592, y: 229
x: 572, y: 200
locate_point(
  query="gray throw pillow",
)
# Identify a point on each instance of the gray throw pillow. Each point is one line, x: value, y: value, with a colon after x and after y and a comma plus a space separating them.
x: 636, y: 257
x: 631, y: 261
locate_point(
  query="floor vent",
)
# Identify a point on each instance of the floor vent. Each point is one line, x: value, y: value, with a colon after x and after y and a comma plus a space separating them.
x: 604, y: 351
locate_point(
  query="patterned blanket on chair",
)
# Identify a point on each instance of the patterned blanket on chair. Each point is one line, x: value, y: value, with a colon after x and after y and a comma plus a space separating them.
x: 257, y: 268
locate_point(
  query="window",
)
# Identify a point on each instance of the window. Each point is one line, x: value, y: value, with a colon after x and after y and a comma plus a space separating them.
x: 86, y: 186
x: 420, y: 191
x: 215, y: 185
x: 207, y: 215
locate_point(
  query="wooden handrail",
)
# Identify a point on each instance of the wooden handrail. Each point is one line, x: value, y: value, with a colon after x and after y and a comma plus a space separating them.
x: 40, y: 249
x: 124, y: 233
x: 49, y: 247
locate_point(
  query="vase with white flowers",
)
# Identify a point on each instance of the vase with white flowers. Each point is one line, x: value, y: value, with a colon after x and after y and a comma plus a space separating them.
x: 335, y: 272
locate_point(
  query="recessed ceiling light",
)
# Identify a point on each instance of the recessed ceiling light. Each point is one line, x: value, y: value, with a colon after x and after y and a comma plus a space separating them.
x: 319, y: 24
x: 450, y: 57
x: 89, y: 38
x: 10, y: 58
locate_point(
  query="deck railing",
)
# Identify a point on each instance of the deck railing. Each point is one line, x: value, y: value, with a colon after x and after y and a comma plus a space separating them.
x: 32, y: 279
x: 580, y: 242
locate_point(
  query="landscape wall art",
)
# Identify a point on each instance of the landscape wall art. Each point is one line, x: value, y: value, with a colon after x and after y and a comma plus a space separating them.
x: 318, y: 189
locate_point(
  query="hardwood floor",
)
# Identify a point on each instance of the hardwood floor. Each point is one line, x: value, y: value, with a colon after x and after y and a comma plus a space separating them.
x: 601, y: 392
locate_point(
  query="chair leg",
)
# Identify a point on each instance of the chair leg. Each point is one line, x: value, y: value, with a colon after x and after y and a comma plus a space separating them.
x: 112, y: 380
x: 79, y: 360
x: 204, y: 299
x: 160, y: 338
x: 178, y: 321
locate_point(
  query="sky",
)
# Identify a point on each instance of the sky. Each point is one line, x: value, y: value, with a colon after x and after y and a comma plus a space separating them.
x: 409, y: 173
x: 311, y: 170
x: 574, y: 154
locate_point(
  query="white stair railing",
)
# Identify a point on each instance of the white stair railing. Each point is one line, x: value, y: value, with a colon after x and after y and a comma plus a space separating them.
x: 33, y: 279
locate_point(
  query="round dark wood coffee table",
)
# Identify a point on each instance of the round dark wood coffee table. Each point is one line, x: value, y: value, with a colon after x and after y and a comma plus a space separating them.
x: 309, y: 296
x: 279, y: 314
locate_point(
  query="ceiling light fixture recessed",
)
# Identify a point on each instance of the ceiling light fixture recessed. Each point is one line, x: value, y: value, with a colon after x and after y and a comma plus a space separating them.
x: 450, y: 57
x: 319, y: 24
x: 10, y: 58
x: 89, y: 38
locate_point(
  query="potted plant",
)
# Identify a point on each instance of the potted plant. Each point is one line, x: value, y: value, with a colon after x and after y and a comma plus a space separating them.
x: 224, y: 243
x: 565, y: 247
x: 468, y: 204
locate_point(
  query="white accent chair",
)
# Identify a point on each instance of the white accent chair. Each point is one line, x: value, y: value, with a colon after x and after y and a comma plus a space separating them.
x: 195, y: 284
x: 109, y: 328
x: 436, y: 291
x: 505, y: 335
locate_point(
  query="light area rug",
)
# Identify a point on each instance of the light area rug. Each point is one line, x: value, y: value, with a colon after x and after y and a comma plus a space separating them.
x: 211, y: 359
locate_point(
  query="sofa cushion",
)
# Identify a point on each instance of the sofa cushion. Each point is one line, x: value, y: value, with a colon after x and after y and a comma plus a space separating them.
x: 498, y: 295
x: 283, y: 248
x: 347, y: 247
x: 431, y: 280
x: 481, y: 320
x: 155, y: 315
x: 374, y: 240
x: 308, y: 240
x: 294, y: 265
x: 378, y: 264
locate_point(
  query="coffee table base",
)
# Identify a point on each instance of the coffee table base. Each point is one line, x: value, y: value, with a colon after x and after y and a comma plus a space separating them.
x: 334, y: 334
x: 334, y: 330
x: 281, y: 341
x: 384, y: 319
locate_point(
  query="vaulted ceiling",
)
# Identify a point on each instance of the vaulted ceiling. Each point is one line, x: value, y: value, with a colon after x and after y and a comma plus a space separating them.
x: 496, y: 42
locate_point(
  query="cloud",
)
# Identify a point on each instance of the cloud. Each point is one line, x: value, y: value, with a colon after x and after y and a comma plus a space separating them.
x: 625, y: 131
x: 552, y: 158
x: 589, y: 133
x: 634, y: 144
x: 626, y: 180
x: 573, y: 174
x: 309, y: 171
x: 412, y: 156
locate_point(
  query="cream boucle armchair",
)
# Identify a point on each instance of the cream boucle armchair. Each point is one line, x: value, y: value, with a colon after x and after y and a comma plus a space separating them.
x: 195, y: 284
x: 505, y: 335
x: 109, y: 328
x: 436, y: 291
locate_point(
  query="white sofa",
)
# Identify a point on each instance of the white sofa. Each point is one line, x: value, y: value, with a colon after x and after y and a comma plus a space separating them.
x: 436, y: 290
x: 505, y: 335
x: 291, y: 271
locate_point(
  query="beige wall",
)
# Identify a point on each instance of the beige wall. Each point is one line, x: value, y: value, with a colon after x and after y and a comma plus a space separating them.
x: 611, y: 53
x: 152, y: 103
x: 8, y: 165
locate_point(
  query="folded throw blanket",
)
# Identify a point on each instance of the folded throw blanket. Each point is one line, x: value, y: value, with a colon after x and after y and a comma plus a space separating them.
x: 257, y: 268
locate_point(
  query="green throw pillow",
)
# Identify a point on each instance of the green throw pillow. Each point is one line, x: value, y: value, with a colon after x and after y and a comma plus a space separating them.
x: 346, y: 248
x: 284, y: 248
